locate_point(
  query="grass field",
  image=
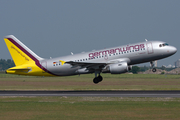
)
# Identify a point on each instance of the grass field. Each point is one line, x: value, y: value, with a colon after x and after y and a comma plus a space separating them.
x: 85, y: 82
x: 88, y: 108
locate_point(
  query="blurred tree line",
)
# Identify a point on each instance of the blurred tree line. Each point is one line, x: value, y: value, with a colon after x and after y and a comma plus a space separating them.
x: 136, y: 69
x: 5, y: 64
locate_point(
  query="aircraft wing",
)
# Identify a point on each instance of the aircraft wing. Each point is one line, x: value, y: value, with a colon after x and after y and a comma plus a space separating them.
x: 87, y: 65
x: 95, y: 65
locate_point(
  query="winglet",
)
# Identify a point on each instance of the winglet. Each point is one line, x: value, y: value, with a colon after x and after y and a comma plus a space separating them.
x: 62, y: 62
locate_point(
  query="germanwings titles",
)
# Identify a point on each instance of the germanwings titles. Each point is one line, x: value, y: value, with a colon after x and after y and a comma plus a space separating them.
x: 116, y: 50
x: 115, y: 60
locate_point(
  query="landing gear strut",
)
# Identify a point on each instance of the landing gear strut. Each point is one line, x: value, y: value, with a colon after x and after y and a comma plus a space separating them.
x: 152, y: 65
x: 97, y: 79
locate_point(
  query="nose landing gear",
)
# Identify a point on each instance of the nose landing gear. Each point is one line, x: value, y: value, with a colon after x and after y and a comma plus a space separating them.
x: 152, y: 65
x: 154, y: 69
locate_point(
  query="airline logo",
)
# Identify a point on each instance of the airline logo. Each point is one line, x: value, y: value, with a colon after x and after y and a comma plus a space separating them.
x: 19, y: 53
x: 116, y: 50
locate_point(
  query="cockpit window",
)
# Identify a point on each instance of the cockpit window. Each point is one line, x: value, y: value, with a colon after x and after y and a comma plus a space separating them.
x: 164, y: 44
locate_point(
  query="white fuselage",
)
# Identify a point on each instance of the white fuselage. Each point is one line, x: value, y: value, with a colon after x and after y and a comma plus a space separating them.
x: 132, y: 54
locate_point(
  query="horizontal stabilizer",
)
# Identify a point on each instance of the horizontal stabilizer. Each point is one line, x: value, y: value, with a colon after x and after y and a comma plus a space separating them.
x: 19, y: 69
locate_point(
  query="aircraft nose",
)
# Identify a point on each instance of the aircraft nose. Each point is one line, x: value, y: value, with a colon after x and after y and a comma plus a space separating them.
x: 173, y: 49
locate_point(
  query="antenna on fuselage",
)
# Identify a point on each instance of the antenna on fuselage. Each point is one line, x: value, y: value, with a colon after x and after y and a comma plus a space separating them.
x: 146, y: 40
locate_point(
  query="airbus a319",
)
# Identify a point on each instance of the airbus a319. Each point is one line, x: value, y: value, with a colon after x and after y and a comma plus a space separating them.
x: 114, y: 60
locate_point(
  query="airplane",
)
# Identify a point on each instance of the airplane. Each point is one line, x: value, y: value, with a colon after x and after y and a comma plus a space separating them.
x: 116, y: 60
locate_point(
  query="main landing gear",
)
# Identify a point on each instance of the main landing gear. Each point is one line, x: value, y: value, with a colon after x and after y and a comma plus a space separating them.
x: 97, y: 79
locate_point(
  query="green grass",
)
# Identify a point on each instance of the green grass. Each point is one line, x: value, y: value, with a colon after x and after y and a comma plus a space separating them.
x: 85, y: 82
x: 152, y: 76
x: 89, y: 108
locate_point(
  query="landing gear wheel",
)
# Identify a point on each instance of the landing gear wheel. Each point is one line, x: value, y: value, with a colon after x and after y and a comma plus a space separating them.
x: 100, y: 78
x: 97, y: 79
x: 154, y: 69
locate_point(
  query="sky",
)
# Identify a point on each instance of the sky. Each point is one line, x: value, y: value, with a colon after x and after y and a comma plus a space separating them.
x: 53, y: 28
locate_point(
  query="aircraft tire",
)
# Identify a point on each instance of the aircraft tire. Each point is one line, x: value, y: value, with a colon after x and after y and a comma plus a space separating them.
x: 154, y: 69
x: 95, y: 80
x: 100, y: 78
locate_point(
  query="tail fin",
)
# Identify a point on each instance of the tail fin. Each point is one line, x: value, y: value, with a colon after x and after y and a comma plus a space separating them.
x: 19, y: 52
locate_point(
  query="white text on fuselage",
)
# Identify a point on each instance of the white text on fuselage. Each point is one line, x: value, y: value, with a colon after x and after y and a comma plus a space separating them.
x: 116, y: 50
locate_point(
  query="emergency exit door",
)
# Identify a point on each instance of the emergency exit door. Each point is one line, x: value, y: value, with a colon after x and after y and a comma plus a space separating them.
x: 149, y: 48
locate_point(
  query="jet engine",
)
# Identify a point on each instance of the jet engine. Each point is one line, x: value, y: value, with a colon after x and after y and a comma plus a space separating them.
x: 117, y: 68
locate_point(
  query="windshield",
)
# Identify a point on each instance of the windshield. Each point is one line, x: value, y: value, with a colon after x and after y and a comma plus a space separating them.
x: 164, y: 44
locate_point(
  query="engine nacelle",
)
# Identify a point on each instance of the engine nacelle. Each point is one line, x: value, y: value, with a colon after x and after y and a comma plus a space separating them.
x: 119, y: 68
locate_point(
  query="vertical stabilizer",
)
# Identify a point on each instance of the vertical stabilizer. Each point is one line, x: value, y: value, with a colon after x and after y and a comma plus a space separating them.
x: 20, y: 53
